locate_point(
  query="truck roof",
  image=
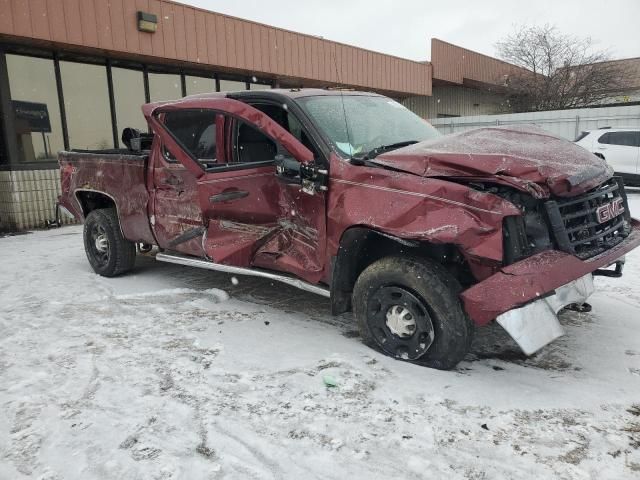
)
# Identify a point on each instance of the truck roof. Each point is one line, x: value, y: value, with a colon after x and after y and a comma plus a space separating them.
x: 276, y: 93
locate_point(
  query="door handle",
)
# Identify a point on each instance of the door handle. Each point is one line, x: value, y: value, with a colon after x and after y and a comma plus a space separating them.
x: 228, y: 195
x: 600, y: 147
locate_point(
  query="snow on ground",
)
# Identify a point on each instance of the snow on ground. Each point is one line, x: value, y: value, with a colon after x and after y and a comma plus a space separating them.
x: 171, y: 372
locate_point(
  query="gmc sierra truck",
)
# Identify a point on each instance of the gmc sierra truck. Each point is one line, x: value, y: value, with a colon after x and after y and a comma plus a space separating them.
x: 352, y: 196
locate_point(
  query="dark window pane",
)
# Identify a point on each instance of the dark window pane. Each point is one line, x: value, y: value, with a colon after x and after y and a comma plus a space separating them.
x: 622, y: 138
x: 195, y: 130
x: 32, y: 83
x: 128, y: 92
x: 604, y: 138
x: 86, y: 101
x: 254, y: 146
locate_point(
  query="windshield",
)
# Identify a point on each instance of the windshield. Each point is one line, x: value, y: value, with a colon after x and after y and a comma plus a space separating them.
x: 371, y: 122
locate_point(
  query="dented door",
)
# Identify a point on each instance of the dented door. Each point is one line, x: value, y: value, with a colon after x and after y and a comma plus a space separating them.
x: 252, y: 218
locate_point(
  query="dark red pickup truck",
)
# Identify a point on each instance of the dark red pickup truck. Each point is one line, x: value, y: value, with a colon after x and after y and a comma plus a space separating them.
x: 352, y: 196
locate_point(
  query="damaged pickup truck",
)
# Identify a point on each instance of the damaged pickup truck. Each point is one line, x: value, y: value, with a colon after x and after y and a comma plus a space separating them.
x: 350, y: 195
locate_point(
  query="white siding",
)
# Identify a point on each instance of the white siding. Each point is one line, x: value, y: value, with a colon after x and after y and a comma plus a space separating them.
x: 564, y: 123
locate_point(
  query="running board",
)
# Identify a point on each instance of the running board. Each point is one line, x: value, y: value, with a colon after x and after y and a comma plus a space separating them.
x: 197, y: 262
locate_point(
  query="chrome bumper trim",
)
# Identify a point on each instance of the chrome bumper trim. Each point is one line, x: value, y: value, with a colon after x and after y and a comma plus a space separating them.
x: 219, y: 267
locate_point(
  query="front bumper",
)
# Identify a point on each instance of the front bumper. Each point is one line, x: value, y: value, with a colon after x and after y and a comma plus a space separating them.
x: 536, y: 277
x: 536, y: 324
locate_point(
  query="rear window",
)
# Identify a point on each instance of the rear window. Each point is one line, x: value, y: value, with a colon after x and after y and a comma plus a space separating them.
x: 581, y: 136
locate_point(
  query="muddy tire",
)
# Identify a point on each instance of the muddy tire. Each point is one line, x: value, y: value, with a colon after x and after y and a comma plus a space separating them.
x: 409, y: 308
x: 108, y: 252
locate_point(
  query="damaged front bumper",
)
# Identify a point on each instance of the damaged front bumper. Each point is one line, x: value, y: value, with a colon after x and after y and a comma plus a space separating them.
x: 522, y: 292
x: 536, y: 324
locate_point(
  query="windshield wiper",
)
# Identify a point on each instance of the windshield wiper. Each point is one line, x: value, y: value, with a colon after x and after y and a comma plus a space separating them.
x: 385, y: 148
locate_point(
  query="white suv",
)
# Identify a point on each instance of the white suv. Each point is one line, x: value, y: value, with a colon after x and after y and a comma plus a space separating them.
x: 619, y: 147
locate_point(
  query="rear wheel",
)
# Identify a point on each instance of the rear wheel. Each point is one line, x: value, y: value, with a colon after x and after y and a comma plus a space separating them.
x: 409, y: 308
x: 108, y: 252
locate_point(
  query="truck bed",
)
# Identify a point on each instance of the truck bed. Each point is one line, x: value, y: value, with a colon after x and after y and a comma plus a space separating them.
x: 115, y: 177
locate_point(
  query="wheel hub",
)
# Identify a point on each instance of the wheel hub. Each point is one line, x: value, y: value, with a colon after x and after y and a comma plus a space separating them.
x: 401, y: 321
x: 102, y: 244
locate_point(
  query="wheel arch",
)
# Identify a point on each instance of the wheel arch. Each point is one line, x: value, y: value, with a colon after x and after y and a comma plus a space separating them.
x: 360, y: 246
x: 90, y: 200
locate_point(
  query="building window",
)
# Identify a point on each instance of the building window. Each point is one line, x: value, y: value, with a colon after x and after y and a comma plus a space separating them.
x: 86, y: 102
x: 259, y: 86
x: 232, y: 86
x: 164, y: 86
x: 197, y: 85
x: 128, y: 93
x: 34, y: 99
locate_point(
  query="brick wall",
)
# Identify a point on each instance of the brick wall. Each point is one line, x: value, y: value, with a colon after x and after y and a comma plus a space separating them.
x: 28, y: 198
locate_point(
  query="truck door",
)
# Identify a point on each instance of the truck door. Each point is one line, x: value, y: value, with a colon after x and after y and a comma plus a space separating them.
x: 252, y: 216
x: 176, y: 217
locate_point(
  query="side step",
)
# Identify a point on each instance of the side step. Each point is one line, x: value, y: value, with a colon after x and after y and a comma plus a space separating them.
x: 197, y: 262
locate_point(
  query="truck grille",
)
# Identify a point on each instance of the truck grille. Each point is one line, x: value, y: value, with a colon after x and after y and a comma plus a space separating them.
x: 591, y: 223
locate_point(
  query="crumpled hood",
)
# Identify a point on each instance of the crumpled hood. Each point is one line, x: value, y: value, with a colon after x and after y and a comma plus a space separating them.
x: 525, y: 157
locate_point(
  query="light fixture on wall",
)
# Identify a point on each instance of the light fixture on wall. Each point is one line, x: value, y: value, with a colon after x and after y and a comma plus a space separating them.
x: 147, y: 22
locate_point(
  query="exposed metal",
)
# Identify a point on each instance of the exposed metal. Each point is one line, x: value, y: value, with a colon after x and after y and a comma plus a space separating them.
x: 536, y: 324
x: 196, y: 262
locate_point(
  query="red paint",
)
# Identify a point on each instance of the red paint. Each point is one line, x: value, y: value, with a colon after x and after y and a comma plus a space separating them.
x: 422, y: 196
x: 521, y: 282
x: 525, y: 157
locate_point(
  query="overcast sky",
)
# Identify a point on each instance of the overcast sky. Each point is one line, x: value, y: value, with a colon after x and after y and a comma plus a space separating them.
x: 404, y: 28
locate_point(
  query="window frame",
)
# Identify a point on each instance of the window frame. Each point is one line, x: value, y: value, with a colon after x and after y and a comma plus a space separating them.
x: 234, y: 127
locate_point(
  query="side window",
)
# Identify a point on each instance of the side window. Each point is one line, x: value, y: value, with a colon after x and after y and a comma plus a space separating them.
x: 627, y: 139
x: 604, y: 138
x: 253, y: 146
x: 196, y: 132
x: 289, y: 122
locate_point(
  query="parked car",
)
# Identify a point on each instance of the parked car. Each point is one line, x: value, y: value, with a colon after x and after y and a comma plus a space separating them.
x: 352, y: 196
x: 619, y: 147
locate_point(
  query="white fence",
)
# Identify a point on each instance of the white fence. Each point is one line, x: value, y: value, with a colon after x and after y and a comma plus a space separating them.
x: 565, y: 123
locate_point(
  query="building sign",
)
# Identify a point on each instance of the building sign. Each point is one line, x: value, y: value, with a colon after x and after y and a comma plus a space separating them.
x: 31, y: 117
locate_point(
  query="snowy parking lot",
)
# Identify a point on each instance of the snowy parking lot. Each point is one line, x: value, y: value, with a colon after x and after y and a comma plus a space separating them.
x: 171, y: 372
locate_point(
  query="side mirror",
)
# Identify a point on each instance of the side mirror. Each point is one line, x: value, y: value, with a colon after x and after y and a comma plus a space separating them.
x: 287, y: 166
x: 308, y: 175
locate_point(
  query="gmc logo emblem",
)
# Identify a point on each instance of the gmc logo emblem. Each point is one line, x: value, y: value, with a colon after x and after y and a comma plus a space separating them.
x: 610, y: 210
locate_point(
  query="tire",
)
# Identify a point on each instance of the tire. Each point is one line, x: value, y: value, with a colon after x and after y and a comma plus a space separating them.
x: 108, y: 252
x: 442, y: 332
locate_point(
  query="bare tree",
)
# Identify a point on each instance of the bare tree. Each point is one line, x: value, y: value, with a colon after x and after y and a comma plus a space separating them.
x: 558, y: 71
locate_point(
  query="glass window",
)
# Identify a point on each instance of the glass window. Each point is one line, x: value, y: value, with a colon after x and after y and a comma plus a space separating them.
x: 232, y: 86
x: 34, y: 96
x: 195, y: 130
x: 164, y: 86
x: 254, y: 146
x: 128, y: 93
x: 259, y: 86
x: 197, y: 85
x: 358, y: 124
x: 86, y: 102
x: 627, y: 139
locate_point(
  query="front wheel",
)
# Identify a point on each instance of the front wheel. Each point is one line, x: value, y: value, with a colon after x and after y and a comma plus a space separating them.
x: 409, y: 308
x: 108, y: 252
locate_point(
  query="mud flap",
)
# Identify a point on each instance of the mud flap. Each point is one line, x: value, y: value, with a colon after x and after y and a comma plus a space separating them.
x: 536, y: 324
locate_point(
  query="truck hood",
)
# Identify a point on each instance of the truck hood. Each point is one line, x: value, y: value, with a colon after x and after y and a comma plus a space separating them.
x: 525, y: 157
